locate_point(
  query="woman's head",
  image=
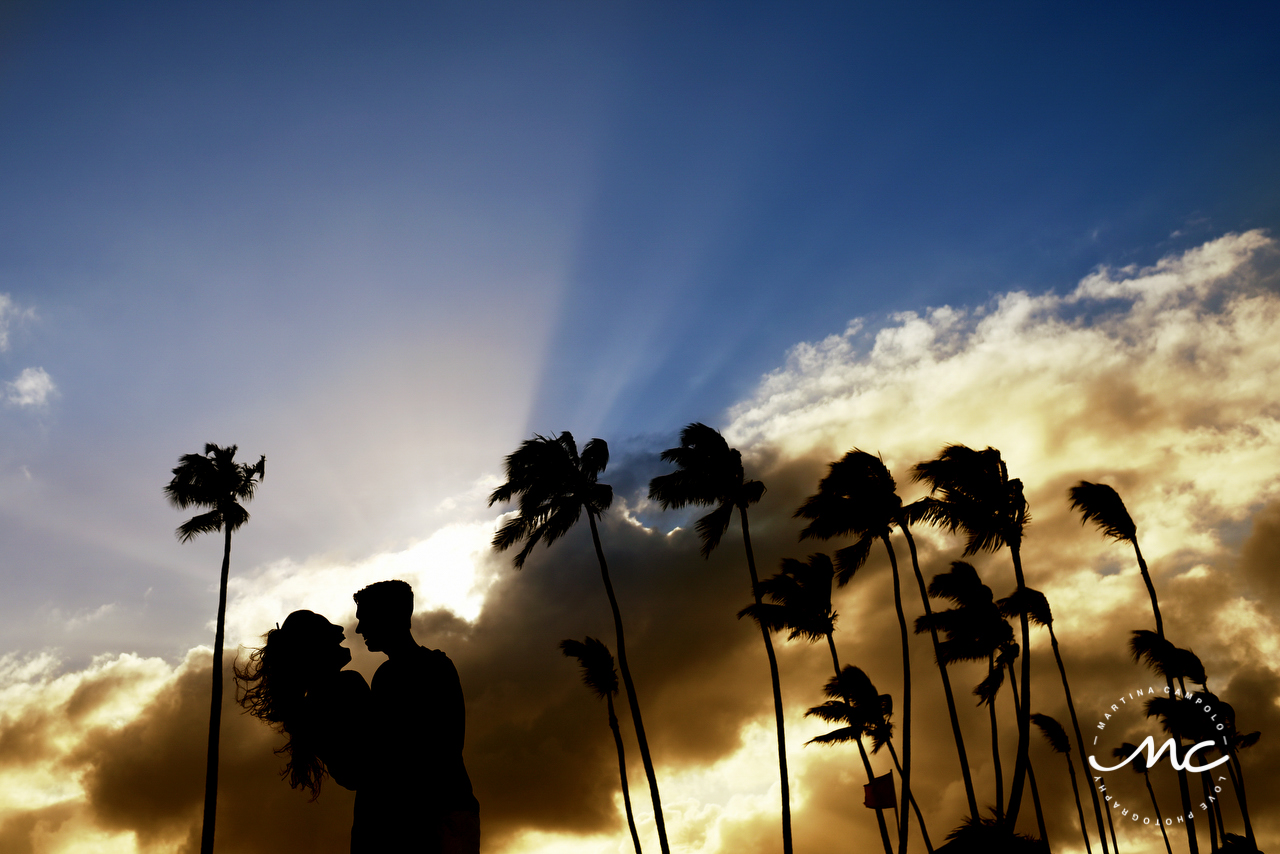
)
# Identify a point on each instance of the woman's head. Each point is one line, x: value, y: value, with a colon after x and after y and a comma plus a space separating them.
x: 275, y: 680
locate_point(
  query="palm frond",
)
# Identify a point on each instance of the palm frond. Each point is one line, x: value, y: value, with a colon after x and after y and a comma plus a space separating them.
x: 852, y: 558
x: 204, y: 523
x: 1053, y: 732
x: 1031, y: 602
x: 598, y: 672
x: 712, y: 526
x: 989, y: 687
x: 1100, y: 504
x: 856, y: 498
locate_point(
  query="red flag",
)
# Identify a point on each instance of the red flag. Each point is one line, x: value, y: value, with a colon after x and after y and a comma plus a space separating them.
x: 879, y: 793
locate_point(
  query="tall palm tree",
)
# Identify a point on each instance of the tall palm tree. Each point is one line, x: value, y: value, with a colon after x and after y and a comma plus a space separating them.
x: 1139, y: 763
x: 709, y: 474
x: 863, y: 711
x: 858, y: 498
x: 216, y: 481
x: 800, y: 600
x: 971, y: 492
x: 974, y: 630
x: 553, y: 486
x: 1102, y: 505
x: 1036, y: 606
x: 599, y: 675
x: 1057, y: 738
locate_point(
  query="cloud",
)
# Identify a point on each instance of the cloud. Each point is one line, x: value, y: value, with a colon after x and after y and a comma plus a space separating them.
x: 32, y: 388
x: 10, y: 313
x: 1155, y: 380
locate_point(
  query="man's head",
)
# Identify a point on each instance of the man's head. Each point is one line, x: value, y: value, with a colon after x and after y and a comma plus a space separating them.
x: 383, y: 613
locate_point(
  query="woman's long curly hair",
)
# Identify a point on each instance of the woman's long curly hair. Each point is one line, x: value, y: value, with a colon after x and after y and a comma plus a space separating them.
x: 272, y: 687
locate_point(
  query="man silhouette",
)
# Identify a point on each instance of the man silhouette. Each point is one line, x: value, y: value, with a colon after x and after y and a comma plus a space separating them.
x: 416, y: 795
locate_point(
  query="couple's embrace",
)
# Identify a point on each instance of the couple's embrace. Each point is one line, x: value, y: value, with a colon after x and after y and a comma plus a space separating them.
x: 398, y: 744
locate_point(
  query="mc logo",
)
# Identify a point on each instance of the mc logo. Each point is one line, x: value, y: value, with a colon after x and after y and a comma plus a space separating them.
x: 1153, y: 756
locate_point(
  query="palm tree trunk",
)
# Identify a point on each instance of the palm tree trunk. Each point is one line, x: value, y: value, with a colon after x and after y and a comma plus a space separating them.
x: 1031, y: 774
x: 1024, y: 716
x: 1075, y: 726
x: 1075, y: 789
x: 210, y: 819
x: 995, y: 745
x: 1236, y: 772
x: 1151, y: 588
x: 1214, y: 824
x: 866, y: 761
x: 1156, y: 807
x: 622, y: 771
x: 903, y: 815
x: 1115, y: 846
x: 924, y: 833
x: 946, y: 679
x: 631, y: 690
x: 777, y: 690
x: 1183, y: 789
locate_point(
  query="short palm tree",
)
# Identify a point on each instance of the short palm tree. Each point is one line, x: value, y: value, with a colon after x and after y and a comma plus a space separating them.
x: 1139, y: 764
x: 800, y: 600
x: 553, y: 487
x: 858, y: 498
x: 1057, y: 738
x: 973, y: 630
x: 709, y: 474
x: 971, y: 492
x: 599, y: 675
x: 216, y: 481
x: 1036, y: 606
x: 862, y: 711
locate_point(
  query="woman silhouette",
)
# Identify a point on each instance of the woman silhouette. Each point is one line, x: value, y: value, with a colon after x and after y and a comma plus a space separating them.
x: 296, y: 683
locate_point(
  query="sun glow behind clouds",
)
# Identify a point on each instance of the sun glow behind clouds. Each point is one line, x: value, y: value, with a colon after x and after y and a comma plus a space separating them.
x: 444, y: 571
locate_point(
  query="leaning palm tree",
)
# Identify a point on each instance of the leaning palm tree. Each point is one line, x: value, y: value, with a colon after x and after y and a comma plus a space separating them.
x: 216, y: 481
x: 553, y: 486
x: 858, y: 498
x: 1139, y: 762
x: 971, y: 492
x: 599, y: 675
x: 800, y: 600
x: 1102, y: 505
x: 1058, y: 741
x: 1037, y: 609
x: 862, y: 711
x: 973, y: 630
x: 710, y: 474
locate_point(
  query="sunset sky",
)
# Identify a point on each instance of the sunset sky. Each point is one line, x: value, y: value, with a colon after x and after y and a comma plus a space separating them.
x: 382, y: 244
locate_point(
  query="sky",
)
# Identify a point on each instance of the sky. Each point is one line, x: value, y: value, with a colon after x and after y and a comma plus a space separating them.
x: 383, y: 245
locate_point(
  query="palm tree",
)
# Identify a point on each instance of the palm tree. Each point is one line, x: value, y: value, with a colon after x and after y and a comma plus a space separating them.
x: 974, y: 630
x: 710, y: 474
x: 553, y: 486
x: 1031, y: 771
x: 1102, y: 505
x: 1139, y: 763
x: 862, y: 710
x: 599, y: 675
x: 1057, y: 738
x: 858, y: 498
x: 971, y: 492
x: 216, y: 481
x: 1036, y: 607
x: 800, y: 600
x: 1172, y: 664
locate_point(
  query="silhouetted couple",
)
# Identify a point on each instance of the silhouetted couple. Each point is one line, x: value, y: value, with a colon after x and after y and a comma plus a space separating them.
x: 397, y: 744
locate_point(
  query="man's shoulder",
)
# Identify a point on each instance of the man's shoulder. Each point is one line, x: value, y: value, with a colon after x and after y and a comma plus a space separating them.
x: 419, y: 664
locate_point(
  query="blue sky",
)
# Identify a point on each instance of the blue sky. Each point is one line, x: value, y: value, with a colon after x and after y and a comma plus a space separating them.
x: 400, y: 239
x: 384, y: 243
